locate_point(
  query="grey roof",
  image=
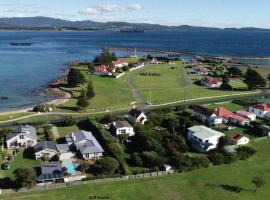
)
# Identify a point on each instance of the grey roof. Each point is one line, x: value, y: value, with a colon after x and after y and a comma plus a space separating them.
x: 204, y: 132
x: 122, y: 124
x: 85, y: 142
x: 51, y: 171
x: 231, y: 148
x: 26, y: 130
x: 62, y: 148
x: 44, y: 145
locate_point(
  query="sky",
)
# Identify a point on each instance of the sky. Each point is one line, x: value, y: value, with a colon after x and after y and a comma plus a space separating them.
x: 210, y: 13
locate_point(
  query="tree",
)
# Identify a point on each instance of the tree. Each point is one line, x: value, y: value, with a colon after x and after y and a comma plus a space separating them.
x: 136, y: 160
x: 258, y: 181
x: 123, y: 137
x: 253, y: 79
x: 107, y: 165
x: 82, y: 100
x: 105, y: 57
x: 25, y: 177
x: 234, y: 72
x: 222, y: 142
x: 90, y: 93
x: 69, y: 120
x: 151, y: 159
x: 75, y: 77
x: 268, y: 78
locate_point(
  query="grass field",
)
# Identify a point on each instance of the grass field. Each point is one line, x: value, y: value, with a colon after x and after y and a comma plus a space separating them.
x: 63, y: 131
x: 195, y: 185
x: 170, y: 85
x: 230, y: 106
x: 110, y: 92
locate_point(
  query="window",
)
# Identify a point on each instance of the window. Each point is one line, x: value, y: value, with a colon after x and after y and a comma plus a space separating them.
x: 123, y: 131
x: 21, y: 137
x: 207, y: 141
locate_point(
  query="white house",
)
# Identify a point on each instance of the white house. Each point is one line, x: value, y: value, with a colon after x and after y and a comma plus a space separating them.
x: 203, y: 139
x: 211, y: 82
x: 45, y: 150
x: 248, y: 115
x: 86, y: 145
x: 260, y: 110
x: 24, y: 136
x: 119, y: 63
x: 123, y: 127
x: 238, y: 139
x: 137, y: 116
x: 206, y: 115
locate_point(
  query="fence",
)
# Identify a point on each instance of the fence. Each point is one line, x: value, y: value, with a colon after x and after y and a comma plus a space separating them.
x: 94, y: 181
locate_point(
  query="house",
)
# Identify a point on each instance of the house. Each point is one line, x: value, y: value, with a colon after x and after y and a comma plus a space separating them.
x: 64, y: 152
x: 238, y: 139
x: 45, y: 150
x: 230, y: 117
x: 200, y: 70
x: 102, y: 70
x: 155, y: 61
x: 119, y: 63
x: 86, y: 145
x: 206, y: 115
x: 260, y: 110
x: 203, y: 139
x: 123, y: 127
x: 211, y: 82
x: 51, y: 172
x: 137, y: 116
x: 24, y: 136
x: 245, y: 114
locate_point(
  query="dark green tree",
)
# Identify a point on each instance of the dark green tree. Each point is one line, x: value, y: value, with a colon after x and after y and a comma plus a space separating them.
x: 75, y: 77
x: 90, y: 93
x: 136, y: 160
x: 107, y: 165
x: 105, y: 57
x: 82, y: 100
x: 235, y: 72
x: 69, y: 120
x: 25, y: 177
x: 258, y: 181
x: 254, y: 80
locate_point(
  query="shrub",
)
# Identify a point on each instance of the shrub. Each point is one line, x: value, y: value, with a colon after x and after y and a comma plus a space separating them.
x: 136, y: 160
x: 245, y: 152
x: 151, y: 159
x: 69, y: 120
x: 107, y: 165
x: 216, y: 158
x: 25, y: 177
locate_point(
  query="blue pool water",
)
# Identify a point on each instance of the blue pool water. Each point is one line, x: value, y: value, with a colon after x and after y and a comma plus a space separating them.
x: 71, y: 168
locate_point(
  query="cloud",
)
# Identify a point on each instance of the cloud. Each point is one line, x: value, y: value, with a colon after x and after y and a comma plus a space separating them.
x: 136, y: 6
x: 109, y: 9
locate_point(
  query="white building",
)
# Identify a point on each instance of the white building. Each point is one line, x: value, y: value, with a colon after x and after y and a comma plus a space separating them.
x: 203, y: 139
x: 238, y: 139
x: 86, y: 144
x: 137, y: 116
x: 24, y: 136
x: 120, y: 63
x: 45, y: 150
x: 248, y: 115
x: 123, y: 127
x: 206, y: 115
x: 260, y: 110
x: 211, y: 82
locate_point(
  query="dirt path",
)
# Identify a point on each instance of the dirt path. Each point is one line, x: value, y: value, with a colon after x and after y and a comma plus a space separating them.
x: 55, y: 132
x: 135, y: 92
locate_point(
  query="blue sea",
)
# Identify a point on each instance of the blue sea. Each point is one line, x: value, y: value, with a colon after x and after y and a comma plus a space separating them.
x: 25, y: 69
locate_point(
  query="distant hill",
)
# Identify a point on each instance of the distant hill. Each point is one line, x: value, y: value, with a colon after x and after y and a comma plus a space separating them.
x: 37, y: 23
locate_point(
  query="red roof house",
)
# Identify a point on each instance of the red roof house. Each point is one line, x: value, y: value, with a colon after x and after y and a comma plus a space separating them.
x: 103, y: 70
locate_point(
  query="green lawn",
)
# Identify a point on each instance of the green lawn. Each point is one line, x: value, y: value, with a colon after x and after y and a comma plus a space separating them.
x: 4, y: 117
x: 230, y: 106
x: 110, y: 93
x: 169, y: 86
x: 63, y: 131
x: 195, y: 185
x: 19, y: 161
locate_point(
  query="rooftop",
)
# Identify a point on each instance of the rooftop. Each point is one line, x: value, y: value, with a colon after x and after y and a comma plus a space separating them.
x: 262, y: 107
x: 122, y: 124
x: 204, y: 132
x: 44, y: 145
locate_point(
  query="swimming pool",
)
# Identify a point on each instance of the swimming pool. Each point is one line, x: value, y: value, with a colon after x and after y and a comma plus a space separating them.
x: 71, y: 168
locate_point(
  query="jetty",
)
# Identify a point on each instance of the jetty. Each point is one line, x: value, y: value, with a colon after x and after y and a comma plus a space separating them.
x: 173, y: 53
